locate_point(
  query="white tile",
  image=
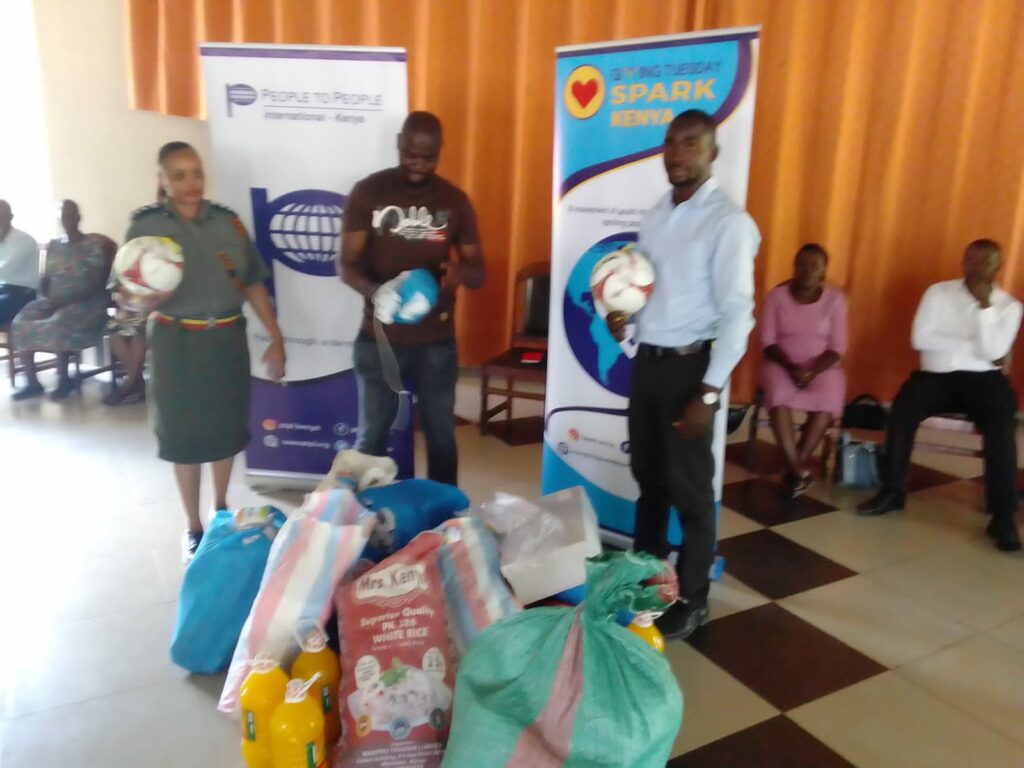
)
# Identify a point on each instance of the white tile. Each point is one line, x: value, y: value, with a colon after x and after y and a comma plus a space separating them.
x: 1011, y: 632
x: 715, y: 704
x: 886, y: 722
x: 72, y: 588
x: 838, y: 496
x: 865, y: 543
x: 730, y: 595
x: 167, y: 725
x: 880, y: 623
x: 732, y: 523
x: 982, y: 677
x: 971, y: 582
x: 951, y: 507
x: 48, y: 664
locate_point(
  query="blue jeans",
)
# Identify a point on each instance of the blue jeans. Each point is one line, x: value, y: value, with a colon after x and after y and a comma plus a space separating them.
x: 430, y: 371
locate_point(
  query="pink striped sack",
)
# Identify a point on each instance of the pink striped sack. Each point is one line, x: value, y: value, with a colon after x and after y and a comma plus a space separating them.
x: 475, y: 592
x: 311, y: 555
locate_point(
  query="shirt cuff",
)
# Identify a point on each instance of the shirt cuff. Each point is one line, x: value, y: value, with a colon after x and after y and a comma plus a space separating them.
x: 716, y: 375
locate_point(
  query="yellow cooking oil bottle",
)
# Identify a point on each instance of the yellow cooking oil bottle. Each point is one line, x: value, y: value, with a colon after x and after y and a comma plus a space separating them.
x: 644, y: 628
x: 297, y: 729
x: 262, y: 693
x: 319, y: 659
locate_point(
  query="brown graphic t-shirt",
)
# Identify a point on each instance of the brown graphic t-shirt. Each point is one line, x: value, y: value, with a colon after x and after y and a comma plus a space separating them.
x: 410, y: 228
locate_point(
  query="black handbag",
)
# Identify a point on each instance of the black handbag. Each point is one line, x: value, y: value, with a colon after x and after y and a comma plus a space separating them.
x: 865, y: 412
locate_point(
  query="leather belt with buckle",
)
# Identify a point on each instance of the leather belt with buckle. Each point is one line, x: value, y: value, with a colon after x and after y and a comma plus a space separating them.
x: 650, y: 350
x: 197, y: 324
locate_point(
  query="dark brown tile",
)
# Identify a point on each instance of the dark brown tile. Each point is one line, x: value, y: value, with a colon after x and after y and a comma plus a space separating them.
x: 524, y: 431
x: 762, y: 500
x: 781, y: 657
x: 767, y: 458
x: 776, y: 566
x: 980, y: 480
x: 922, y: 478
x: 775, y: 743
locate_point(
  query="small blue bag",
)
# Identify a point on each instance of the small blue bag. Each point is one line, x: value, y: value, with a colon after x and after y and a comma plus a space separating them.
x: 857, y: 463
x: 407, y: 509
x: 218, y: 590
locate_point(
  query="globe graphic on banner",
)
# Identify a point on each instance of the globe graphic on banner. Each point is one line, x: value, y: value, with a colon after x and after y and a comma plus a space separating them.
x: 307, y: 232
x: 589, y: 338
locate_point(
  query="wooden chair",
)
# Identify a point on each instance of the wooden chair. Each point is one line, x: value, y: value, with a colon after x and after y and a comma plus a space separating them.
x: 757, y: 420
x: 526, y: 359
x: 104, y: 355
x: 8, y: 356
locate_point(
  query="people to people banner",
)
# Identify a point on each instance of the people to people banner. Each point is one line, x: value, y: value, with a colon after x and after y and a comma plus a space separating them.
x: 614, y: 102
x: 293, y: 128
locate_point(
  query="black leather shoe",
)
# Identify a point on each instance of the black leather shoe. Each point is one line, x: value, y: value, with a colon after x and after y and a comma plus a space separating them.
x: 682, y: 619
x: 881, y: 503
x: 1003, y: 531
x: 189, y: 544
x: 27, y: 392
x: 63, y: 391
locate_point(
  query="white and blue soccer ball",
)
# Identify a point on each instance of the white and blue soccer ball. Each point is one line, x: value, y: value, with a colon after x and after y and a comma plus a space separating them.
x: 408, y: 298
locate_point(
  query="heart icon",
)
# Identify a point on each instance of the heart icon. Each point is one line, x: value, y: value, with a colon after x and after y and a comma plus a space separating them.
x: 584, y: 93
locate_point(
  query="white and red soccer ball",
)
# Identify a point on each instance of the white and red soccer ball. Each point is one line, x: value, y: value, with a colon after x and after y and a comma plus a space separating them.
x: 623, y: 281
x: 149, y: 265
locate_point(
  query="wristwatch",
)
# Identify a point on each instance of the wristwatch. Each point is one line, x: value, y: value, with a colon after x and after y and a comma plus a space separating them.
x: 709, y: 398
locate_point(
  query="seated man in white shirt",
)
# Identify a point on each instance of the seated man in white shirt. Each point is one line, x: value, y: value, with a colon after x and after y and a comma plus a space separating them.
x: 19, y: 267
x: 964, y: 330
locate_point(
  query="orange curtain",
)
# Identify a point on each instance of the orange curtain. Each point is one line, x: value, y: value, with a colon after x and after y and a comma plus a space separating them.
x: 888, y: 130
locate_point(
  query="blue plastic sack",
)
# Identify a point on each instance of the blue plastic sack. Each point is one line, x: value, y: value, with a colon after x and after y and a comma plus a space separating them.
x: 218, y: 591
x: 407, y: 509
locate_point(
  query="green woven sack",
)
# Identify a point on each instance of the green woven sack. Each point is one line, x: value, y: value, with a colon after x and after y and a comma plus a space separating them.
x: 569, y: 687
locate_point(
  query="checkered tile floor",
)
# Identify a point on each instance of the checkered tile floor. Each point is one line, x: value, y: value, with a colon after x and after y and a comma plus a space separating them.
x: 839, y: 640
x: 835, y: 639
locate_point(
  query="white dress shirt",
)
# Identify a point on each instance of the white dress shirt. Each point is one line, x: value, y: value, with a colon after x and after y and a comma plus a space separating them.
x: 953, y: 333
x: 19, y: 260
x: 703, y: 254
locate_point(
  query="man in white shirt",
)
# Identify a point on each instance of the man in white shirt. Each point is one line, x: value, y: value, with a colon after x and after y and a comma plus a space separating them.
x: 964, y: 330
x: 692, y: 333
x: 19, y: 267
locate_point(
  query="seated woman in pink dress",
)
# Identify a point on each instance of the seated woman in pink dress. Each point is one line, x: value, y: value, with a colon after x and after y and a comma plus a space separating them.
x: 803, y: 332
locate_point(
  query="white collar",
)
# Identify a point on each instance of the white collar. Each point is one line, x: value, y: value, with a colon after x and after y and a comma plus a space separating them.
x: 698, y: 198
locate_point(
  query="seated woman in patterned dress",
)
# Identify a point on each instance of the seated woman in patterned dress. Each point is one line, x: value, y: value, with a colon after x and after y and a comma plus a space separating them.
x: 803, y: 332
x: 71, y: 310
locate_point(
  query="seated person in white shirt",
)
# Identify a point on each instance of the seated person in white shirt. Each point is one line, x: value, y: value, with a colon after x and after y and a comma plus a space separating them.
x: 964, y: 330
x: 19, y: 267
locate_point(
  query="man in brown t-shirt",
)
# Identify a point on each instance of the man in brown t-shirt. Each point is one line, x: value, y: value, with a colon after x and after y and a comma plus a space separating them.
x: 396, y: 220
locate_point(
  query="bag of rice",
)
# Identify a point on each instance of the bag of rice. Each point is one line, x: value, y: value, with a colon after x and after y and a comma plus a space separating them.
x: 398, y: 668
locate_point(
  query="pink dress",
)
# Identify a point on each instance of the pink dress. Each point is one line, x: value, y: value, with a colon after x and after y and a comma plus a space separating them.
x: 804, y: 331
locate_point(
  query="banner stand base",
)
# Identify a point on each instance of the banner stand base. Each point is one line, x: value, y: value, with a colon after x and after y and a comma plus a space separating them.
x: 260, y: 480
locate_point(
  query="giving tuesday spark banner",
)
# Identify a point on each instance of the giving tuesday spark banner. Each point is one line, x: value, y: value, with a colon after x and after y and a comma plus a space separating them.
x: 293, y: 129
x: 614, y: 102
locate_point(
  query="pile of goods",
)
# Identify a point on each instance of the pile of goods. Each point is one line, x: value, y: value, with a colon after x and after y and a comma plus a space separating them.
x: 435, y: 662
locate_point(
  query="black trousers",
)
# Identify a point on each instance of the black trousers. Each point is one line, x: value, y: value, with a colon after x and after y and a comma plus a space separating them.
x: 12, y: 299
x: 987, y: 399
x: 672, y: 471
